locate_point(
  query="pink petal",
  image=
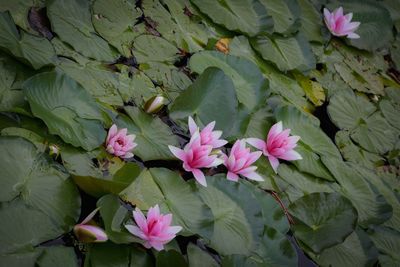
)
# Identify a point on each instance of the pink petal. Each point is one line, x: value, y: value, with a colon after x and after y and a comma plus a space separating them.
x: 275, y: 130
x: 136, y: 231
x: 274, y: 163
x: 153, y: 213
x: 157, y: 245
x: 127, y: 155
x: 253, y: 157
x: 218, y: 143
x: 192, y: 126
x: 338, y: 13
x: 111, y: 132
x: 174, y: 229
x: 348, y: 16
x: 257, y: 143
x: 179, y: 153
x: 291, y: 155
x: 209, y: 127
x: 254, y: 176
x: 353, y: 35
x: 327, y: 14
x: 199, y: 176
x: 232, y: 176
x: 140, y: 220
x: 90, y: 216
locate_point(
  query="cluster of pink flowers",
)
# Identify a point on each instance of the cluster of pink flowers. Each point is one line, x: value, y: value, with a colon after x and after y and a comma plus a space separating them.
x: 202, y: 152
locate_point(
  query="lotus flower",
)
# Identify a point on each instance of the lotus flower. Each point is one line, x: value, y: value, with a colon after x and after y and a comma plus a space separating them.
x: 155, y: 230
x: 119, y: 143
x: 279, y: 145
x: 207, y: 135
x: 87, y: 231
x: 239, y: 162
x: 196, y: 156
x: 341, y: 25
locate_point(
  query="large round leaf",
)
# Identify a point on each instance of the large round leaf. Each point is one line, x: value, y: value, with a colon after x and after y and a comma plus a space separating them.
x: 322, y: 220
x: 212, y: 97
x: 249, y: 82
x: 237, y: 224
x: 45, y: 202
x: 287, y: 53
x: 71, y: 21
x: 371, y: 205
x: 245, y: 16
x: 356, y: 250
x: 66, y: 108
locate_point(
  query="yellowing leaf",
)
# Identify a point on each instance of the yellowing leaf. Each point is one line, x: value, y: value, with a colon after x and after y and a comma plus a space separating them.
x: 314, y: 91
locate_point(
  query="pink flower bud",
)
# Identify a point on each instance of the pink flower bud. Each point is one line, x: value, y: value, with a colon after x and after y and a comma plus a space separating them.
x: 87, y: 231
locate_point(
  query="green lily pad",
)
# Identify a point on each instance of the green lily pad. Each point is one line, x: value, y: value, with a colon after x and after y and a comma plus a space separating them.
x: 287, y: 53
x: 322, y: 220
x: 66, y: 108
x: 36, y: 190
x: 249, y: 82
x: 245, y: 16
x: 72, y: 22
x: 212, y: 97
x: 371, y: 205
x: 37, y: 51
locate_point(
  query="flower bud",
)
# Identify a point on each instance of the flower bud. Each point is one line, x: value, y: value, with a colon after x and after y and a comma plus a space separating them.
x: 154, y: 104
x: 54, y: 150
x: 87, y: 231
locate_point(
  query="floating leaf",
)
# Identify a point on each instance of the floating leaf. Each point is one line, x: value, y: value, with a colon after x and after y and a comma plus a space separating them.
x: 66, y: 108
x: 371, y: 205
x: 285, y: 15
x: 245, y: 16
x: 40, y: 192
x: 212, y: 98
x: 356, y: 250
x: 237, y: 225
x: 322, y: 220
x: 249, y: 82
x: 71, y: 21
x: 287, y: 53
x: 36, y: 50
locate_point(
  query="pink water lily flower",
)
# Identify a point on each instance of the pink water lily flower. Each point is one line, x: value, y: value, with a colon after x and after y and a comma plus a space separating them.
x: 119, y: 143
x: 341, y: 25
x: 196, y: 156
x: 87, y: 231
x: 208, y: 135
x: 279, y: 145
x: 239, y: 162
x: 155, y: 230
